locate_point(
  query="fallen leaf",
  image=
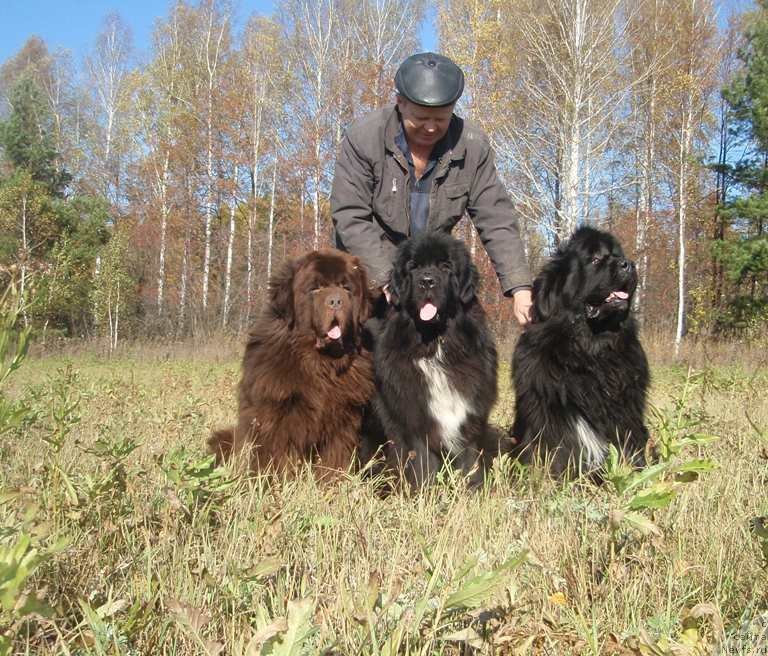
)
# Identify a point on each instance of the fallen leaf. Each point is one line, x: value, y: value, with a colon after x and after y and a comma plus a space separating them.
x: 194, y: 618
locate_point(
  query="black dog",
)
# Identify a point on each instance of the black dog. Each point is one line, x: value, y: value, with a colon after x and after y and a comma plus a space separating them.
x: 435, y: 363
x: 579, y: 371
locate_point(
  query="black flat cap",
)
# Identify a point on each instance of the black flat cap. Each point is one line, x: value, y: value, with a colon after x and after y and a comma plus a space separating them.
x: 429, y: 79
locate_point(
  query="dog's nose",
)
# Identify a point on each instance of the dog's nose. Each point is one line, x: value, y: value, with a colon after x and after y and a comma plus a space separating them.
x: 427, y: 282
x: 334, y: 301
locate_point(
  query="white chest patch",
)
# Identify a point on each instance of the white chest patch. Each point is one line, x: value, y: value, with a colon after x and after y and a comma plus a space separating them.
x: 448, y: 408
x: 593, y: 448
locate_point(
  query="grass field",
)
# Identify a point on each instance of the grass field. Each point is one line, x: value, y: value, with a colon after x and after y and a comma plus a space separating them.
x: 116, y: 527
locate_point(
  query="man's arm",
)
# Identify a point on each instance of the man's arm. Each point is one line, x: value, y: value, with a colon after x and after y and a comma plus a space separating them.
x: 352, y: 212
x: 492, y: 213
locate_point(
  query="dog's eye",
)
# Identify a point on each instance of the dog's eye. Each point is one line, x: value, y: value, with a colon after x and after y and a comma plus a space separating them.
x: 410, y: 265
x: 446, y: 266
x: 597, y: 259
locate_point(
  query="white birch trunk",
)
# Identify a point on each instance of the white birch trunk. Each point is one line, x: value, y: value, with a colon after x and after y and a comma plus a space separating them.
x: 230, y: 248
x: 302, y: 202
x: 271, y: 228
x: 249, y: 275
x: 317, y: 177
x: 211, y: 60
x: 24, y: 257
x: 183, y: 290
x: 685, y: 140
x: 316, y: 209
x: 108, y: 151
x: 185, y: 264
x: 254, y: 199
x: 109, y: 318
x: 117, y: 316
x: 572, y: 147
x: 645, y: 203
x: 208, y: 198
x: 164, y: 212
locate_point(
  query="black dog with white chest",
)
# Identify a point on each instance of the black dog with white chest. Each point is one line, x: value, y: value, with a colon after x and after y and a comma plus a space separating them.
x: 579, y: 370
x: 435, y: 363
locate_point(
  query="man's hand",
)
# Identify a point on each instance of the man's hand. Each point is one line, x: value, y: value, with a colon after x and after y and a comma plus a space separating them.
x: 522, y: 301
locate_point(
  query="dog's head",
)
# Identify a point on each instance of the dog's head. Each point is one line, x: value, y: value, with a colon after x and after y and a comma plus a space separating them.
x: 433, y: 278
x: 325, y: 294
x: 588, y: 275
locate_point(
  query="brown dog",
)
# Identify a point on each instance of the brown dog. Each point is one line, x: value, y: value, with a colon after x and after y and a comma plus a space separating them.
x: 306, y: 376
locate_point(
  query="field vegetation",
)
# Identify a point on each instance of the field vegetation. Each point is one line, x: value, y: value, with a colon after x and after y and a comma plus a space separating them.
x: 119, y: 536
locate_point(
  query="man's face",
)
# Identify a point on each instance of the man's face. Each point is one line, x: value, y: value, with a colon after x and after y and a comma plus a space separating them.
x: 424, y: 126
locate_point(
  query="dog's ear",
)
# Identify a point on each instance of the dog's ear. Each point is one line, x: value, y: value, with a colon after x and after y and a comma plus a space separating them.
x: 466, y: 274
x: 400, y: 278
x: 363, y: 305
x: 281, y: 302
x: 543, y: 297
x: 556, y: 288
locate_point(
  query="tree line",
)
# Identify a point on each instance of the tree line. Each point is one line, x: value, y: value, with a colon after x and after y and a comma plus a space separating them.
x: 154, y: 193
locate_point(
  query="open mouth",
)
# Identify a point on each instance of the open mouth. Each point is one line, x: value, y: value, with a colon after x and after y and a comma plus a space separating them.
x: 334, y: 333
x: 616, y: 298
x: 428, y: 312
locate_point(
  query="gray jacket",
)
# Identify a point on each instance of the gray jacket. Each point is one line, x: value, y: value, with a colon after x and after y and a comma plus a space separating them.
x: 371, y: 192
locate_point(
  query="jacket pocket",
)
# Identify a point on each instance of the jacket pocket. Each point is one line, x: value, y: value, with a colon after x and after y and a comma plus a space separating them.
x: 389, y: 203
x: 452, y: 202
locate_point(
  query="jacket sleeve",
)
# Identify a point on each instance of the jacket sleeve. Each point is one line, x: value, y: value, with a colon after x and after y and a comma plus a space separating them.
x: 352, y: 212
x: 490, y: 209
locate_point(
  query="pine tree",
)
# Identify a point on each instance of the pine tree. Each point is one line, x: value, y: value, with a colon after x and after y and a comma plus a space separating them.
x: 26, y: 138
x: 745, y: 254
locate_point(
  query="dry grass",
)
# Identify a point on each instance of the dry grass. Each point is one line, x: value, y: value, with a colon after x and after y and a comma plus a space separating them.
x: 163, y: 557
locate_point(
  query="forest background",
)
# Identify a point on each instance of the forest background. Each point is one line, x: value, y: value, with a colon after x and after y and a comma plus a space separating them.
x: 152, y: 193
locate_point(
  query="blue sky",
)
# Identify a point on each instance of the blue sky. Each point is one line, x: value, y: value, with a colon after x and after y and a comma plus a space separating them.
x: 74, y: 24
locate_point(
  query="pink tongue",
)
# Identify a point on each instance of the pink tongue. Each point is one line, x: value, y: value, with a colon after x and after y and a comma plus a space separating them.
x: 428, y: 312
x: 617, y: 294
x: 335, y: 332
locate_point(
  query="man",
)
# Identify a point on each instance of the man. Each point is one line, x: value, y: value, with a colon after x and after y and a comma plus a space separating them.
x: 416, y: 166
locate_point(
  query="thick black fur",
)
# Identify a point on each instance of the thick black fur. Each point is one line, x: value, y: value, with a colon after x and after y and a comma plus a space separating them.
x: 435, y: 268
x: 580, y: 359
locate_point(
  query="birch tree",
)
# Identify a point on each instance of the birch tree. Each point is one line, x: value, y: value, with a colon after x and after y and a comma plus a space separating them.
x: 108, y: 67
x: 268, y: 79
x: 650, y: 66
x: 695, y: 59
x: 113, y: 288
x: 213, y: 51
x: 383, y: 33
x: 313, y: 31
x: 164, y: 84
x: 570, y: 90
